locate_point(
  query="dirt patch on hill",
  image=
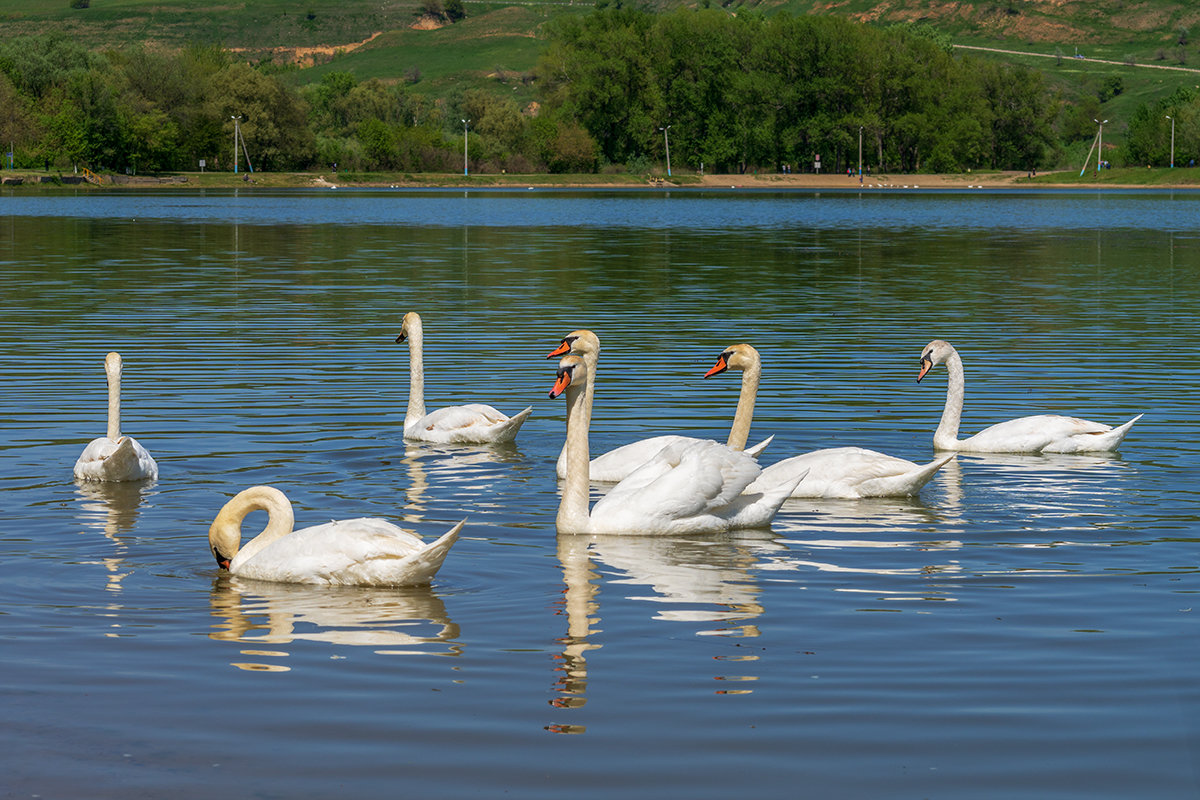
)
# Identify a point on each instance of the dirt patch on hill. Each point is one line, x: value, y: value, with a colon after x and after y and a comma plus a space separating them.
x: 306, y: 56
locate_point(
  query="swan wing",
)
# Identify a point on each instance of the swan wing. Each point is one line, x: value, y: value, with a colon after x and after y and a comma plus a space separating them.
x: 849, y: 472
x: 683, y: 481
x: 620, y: 462
x: 474, y: 422
x: 1032, y: 434
x: 121, y: 460
x: 360, y: 552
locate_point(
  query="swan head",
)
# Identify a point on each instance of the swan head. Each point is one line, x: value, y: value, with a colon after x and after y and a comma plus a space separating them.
x: 410, y: 325
x: 936, y: 352
x: 581, y: 343
x: 738, y: 356
x: 225, y: 532
x: 572, y: 371
x: 112, y: 364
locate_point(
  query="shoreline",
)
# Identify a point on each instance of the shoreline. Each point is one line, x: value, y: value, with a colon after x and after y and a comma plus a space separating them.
x: 1183, y: 179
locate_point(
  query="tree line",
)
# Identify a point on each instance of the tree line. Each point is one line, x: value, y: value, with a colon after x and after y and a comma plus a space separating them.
x: 730, y: 93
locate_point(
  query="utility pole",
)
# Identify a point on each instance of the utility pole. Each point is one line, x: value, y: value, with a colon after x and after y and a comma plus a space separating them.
x: 236, y: 136
x: 465, y: 122
x: 667, y: 142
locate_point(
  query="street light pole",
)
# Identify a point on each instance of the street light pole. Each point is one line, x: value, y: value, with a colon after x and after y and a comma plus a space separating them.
x: 465, y: 122
x: 667, y: 142
x: 1100, y: 139
x: 236, y: 133
x: 860, y: 130
x: 1172, y: 140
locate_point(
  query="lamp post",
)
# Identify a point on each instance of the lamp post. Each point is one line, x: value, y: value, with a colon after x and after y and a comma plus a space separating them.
x: 1172, y: 140
x: 1100, y: 138
x: 860, y: 130
x: 465, y: 122
x: 667, y: 142
x: 236, y: 135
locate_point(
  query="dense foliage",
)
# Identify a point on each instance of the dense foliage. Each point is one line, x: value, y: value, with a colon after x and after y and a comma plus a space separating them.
x: 1149, y: 139
x: 730, y: 93
x: 147, y: 110
x: 750, y: 91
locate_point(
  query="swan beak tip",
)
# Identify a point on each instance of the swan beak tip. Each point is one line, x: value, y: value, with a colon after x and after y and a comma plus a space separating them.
x: 561, y: 350
x: 401, y: 338
x: 721, y: 365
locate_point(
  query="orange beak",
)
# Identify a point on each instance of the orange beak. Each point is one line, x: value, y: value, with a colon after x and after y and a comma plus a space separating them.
x: 561, y: 382
x: 721, y: 365
x: 562, y: 349
x: 926, y: 365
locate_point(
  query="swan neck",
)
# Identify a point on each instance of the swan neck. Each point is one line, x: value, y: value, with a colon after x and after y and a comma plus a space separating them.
x: 946, y: 435
x: 112, y: 367
x: 573, y: 507
x: 589, y: 395
x: 744, y: 415
x: 416, y: 374
x: 226, y: 530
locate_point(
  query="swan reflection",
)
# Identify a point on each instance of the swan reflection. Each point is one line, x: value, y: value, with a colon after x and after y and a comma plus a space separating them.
x: 112, y: 509
x: 461, y: 468
x: 391, y: 621
x: 708, y: 580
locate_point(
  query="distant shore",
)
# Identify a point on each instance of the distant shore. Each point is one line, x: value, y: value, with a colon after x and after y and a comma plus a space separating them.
x: 1125, y: 178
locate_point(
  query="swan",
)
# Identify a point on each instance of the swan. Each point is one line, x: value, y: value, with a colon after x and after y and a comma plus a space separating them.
x: 616, y: 464
x: 115, y: 457
x: 469, y: 424
x: 351, y: 552
x: 1042, y: 433
x: 833, y: 472
x: 688, y: 487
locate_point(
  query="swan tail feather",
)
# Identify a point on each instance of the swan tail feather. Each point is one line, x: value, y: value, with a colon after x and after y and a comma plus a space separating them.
x: 420, y: 567
x: 757, y: 449
x: 906, y: 483
x: 507, y: 430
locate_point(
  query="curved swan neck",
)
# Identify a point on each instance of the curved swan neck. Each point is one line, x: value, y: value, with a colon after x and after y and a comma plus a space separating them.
x: 573, y: 514
x: 416, y: 370
x: 740, y: 432
x: 225, y: 533
x: 946, y: 435
x: 112, y: 367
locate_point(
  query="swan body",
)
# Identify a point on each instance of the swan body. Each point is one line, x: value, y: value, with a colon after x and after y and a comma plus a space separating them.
x: 834, y: 472
x: 1041, y: 433
x: 467, y: 424
x: 115, y: 457
x: 849, y: 473
x: 353, y: 552
x: 616, y: 464
x: 689, y: 487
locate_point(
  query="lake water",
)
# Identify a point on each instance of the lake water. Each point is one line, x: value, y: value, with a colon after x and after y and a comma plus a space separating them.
x: 1027, y: 627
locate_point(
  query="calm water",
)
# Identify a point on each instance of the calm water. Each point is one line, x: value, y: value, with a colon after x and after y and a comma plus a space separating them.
x: 1027, y: 627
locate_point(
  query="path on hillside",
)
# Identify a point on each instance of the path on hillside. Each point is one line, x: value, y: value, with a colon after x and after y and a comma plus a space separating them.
x: 1073, y: 58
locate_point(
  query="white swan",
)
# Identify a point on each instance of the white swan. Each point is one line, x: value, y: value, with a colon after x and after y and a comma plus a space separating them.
x: 1043, y: 433
x: 614, y: 465
x: 115, y: 457
x: 692, y: 487
x: 469, y: 424
x: 352, y: 552
x: 835, y: 472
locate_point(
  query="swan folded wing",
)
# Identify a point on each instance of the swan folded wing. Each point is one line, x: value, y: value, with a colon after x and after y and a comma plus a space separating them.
x: 683, y: 480
x: 453, y: 418
x: 122, y: 459
x: 363, y: 551
x: 621, y: 462
x: 1033, y: 434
